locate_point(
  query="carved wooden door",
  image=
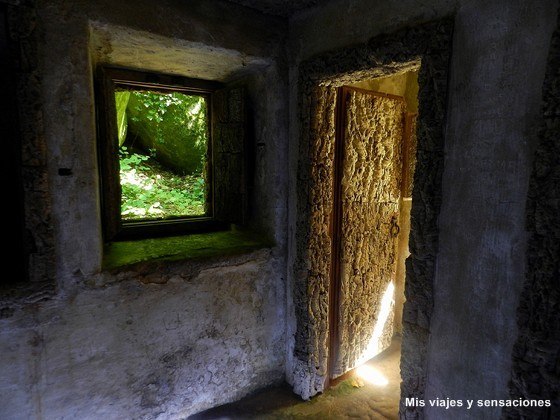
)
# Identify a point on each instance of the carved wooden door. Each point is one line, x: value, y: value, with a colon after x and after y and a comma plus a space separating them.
x: 368, y: 175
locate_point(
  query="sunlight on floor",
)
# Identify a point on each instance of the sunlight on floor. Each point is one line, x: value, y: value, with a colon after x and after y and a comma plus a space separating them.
x: 371, y: 375
x: 356, y: 397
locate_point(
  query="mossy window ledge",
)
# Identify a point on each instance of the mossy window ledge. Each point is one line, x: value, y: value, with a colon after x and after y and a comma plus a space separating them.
x: 188, y: 247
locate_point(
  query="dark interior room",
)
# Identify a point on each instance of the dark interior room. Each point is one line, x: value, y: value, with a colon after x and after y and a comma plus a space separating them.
x: 280, y: 209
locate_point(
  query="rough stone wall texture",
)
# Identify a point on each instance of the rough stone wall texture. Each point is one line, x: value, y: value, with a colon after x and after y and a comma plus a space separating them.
x: 497, y: 68
x: 536, y: 353
x: 203, y: 28
x: 371, y: 187
x: 410, y: 153
x: 315, y: 201
x: 495, y: 93
x: 406, y: 86
x: 26, y: 34
x: 430, y: 45
x: 157, y: 339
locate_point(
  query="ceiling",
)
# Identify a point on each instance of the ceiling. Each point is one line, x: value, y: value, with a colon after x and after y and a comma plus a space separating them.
x: 278, y: 7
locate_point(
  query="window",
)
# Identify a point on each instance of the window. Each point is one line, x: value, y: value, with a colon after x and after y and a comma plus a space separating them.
x: 171, y: 154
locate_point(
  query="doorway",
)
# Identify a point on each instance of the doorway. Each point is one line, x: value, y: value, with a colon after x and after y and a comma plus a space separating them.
x: 426, y: 48
x: 374, y: 158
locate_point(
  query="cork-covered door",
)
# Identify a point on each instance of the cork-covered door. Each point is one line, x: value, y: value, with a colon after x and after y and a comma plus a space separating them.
x: 367, y: 188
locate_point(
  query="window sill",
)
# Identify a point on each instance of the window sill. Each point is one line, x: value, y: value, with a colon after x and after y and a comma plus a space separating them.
x: 188, y: 247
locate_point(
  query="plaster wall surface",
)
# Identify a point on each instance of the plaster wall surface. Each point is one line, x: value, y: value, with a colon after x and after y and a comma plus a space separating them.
x: 145, y: 350
x: 156, y: 339
x: 341, y: 23
x: 496, y: 74
x: 489, y: 147
x: 66, y: 356
x: 535, y: 373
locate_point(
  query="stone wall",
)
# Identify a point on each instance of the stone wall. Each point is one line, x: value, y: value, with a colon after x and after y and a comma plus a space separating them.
x: 536, y: 353
x: 147, y: 346
x: 26, y: 34
x: 156, y: 339
x: 126, y: 341
x: 425, y: 45
x: 313, y: 248
x: 494, y: 101
x: 463, y: 350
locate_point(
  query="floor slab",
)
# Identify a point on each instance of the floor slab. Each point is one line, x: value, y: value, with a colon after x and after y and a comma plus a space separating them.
x: 351, y: 398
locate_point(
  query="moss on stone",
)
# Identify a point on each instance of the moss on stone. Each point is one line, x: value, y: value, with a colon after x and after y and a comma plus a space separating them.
x: 206, y: 245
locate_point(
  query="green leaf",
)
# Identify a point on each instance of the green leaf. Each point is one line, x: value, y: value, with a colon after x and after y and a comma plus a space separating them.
x: 121, y: 102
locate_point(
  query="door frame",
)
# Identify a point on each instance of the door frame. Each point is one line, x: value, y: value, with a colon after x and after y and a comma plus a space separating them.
x: 426, y: 47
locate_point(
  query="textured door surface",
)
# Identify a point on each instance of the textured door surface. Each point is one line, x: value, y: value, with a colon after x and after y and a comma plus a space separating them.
x: 369, y: 188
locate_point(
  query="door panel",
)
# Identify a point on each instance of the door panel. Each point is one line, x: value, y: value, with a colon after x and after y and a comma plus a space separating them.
x: 369, y: 189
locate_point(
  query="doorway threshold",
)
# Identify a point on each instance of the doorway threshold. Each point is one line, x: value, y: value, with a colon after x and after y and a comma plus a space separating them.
x: 351, y: 396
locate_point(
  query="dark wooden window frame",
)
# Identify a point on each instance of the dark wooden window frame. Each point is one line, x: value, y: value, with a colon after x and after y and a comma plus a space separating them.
x: 114, y: 228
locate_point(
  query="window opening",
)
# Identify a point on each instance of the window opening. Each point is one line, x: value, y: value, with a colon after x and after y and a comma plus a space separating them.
x: 163, y: 154
x: 172, y: 154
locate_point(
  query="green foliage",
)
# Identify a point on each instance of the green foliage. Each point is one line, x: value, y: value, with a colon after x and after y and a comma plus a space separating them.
x: 163, y: 155
x: 173, y: 125
x: 149, y: 191
x: 121, y: 102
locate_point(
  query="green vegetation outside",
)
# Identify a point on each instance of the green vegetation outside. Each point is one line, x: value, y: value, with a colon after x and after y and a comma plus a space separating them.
x: 163, y: 141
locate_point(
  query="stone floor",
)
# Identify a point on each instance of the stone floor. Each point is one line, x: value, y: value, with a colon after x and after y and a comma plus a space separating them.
x: 352, y: 398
